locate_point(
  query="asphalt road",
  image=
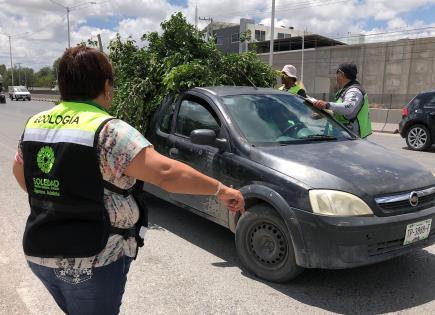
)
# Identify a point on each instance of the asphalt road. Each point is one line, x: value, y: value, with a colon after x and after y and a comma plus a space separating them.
x: 190, y: 265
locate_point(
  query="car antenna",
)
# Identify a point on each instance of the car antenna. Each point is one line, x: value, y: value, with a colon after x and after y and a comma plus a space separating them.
x: 252, y: 83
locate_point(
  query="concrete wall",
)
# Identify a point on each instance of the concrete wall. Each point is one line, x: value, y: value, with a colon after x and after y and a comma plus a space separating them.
x: 391, y: 72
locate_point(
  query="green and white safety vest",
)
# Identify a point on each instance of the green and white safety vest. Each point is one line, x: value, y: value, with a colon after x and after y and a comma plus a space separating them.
x: 66, y: 188
x: 363, y: 116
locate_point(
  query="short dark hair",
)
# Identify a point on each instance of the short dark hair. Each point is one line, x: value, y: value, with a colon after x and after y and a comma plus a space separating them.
x: 83, y: 72
x: 349, y: 69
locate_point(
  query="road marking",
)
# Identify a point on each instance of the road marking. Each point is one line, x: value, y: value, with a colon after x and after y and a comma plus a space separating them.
x: 385, y: 134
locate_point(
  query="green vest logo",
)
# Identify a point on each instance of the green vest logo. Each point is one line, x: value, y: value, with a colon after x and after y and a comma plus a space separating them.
x: 45, y: 159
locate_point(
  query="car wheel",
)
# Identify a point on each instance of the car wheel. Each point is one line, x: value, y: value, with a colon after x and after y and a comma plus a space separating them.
x: 418, y: 138
x: 264, y: 245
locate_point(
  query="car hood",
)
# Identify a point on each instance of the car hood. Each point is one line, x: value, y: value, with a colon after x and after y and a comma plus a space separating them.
x: 359, y: 166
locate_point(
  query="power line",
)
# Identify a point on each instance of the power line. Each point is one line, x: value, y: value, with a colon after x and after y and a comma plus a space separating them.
x: 286, y: 8
x: 386, y: 33
x: 41, y: 29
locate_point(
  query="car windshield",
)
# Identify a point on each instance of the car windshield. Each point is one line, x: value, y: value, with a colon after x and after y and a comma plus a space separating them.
x: 20, y: 89
x: 268, y: 119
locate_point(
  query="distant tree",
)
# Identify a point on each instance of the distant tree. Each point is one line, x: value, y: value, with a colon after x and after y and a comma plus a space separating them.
x: 27, y: 77
x: 56, y: 68
x: 3, y: 70
x: 174, y: 61
x: 90, y: 43
x: 44, y: 77
x: 8, y: 78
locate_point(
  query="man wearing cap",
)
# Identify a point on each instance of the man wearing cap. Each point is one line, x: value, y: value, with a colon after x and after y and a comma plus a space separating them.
x: 290, y: 80
x: 351, y: 106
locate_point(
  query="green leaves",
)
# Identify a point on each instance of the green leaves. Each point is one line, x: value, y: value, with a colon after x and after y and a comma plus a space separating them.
x: 172, y: 62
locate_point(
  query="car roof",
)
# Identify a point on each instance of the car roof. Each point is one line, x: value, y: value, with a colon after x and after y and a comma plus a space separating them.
x: 222, y: 91
x: 427, y: 92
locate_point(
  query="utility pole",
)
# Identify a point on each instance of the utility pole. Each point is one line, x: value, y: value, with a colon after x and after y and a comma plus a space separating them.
x: 209, y: 26
x: 196, y: 17
x: 272, y: 34
x: 10, y: 50
x: 303, y: 51
x: 68, y: 10
x: 303, y: 54
x: 100, y: 44
x: 67, y: 21
x: 19, y: 72
x: 10, y: 54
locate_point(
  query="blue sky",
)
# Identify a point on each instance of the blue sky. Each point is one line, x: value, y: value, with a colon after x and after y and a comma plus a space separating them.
x: 110, y: 22
x: 182, y: 3
x: 425, y: 14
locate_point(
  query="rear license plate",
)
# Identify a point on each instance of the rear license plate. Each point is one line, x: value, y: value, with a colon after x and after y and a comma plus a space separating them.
x: 417, y: 231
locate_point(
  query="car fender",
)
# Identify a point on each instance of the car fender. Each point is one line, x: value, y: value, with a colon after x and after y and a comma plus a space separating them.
x: 273, y: 198
x: 412, y: 123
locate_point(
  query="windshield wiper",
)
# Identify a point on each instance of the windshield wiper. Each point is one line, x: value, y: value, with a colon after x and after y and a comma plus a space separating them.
x: 319, y: 138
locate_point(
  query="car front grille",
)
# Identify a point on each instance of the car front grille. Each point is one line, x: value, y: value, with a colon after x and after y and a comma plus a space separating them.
x: 390, y: 246
x: 401, y: 203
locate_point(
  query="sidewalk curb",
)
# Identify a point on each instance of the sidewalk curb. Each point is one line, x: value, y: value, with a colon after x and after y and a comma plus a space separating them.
x: 44, y: 99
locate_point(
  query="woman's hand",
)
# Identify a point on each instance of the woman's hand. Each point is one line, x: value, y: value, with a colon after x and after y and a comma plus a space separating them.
x: 232, y: 199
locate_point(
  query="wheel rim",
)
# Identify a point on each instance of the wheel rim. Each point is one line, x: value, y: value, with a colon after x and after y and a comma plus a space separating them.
x: 417, y: 138
x: 268, y: 245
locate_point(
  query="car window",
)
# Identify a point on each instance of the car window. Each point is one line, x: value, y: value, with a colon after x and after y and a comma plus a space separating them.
x: 431, y: 102
x: 193, y: 115
x: 166, y: 122
x: 280, y: 119
x: 20, y: 89
x: 418, y: 101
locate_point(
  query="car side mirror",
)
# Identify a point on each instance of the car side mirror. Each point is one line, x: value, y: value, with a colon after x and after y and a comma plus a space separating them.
x: 203, y: 137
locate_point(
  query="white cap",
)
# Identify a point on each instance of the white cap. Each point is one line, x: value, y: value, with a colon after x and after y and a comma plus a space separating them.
x: 291, y: 71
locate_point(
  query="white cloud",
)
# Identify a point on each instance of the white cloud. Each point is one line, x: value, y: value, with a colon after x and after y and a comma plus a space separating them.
x: 46, y: 21
x: 137, y: 27
x: 396, y: 23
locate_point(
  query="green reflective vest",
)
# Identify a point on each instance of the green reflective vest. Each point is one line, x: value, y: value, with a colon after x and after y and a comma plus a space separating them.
x: 293, y: 90
x: 66, y: 188
x: 363, y: 116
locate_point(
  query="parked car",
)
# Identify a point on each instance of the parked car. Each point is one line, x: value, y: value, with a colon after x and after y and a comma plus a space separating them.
x: 317, y: 196
x: 2, y: 97
x: 19, y: 93
x: 418, y: 122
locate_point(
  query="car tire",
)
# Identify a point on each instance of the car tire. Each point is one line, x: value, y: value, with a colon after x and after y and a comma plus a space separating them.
x: 264, y: 245
x: 418, y: 138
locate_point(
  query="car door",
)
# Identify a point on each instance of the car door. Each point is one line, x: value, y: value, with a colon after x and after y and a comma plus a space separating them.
x: 197, y: 113
x: 429, y: 111
x: 162, y: 138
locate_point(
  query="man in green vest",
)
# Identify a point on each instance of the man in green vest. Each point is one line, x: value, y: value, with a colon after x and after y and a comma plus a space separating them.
x: 351, y: 106
x: 290, y: 81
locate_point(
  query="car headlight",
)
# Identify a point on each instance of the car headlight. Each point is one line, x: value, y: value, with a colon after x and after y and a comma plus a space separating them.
x: 338, y: 203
